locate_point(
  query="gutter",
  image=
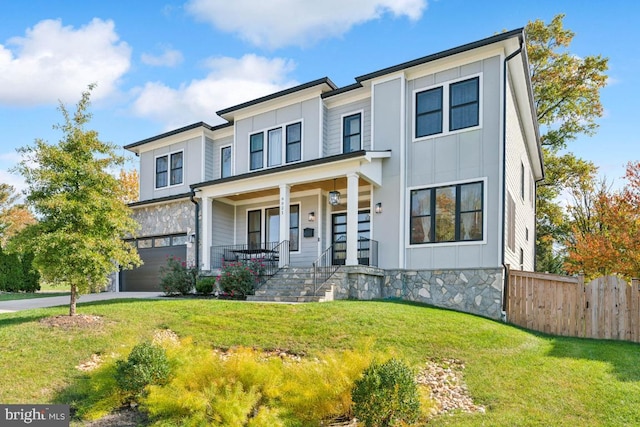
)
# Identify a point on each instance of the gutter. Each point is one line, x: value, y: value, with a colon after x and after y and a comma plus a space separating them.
x: 197, y: 226
x: 505, y: 295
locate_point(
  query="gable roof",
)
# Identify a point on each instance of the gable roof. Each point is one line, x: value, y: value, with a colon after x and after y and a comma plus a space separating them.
x: 175, y: 132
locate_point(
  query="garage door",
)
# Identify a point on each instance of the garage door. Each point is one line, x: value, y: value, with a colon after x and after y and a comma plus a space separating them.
x: 154, y: 252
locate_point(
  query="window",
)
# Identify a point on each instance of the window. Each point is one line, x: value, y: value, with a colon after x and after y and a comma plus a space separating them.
x: 169, y: 166
x: 162, y: 167
x: 522, y: 180
x: 521, y: 259
x: 511, y: 223
x: 429, y: 112
x: 290, y: 149
x: 254, y: 221
x: 225, y: 162
x: 451, y: 213
x: 351, y: 133
x: 462, y: 111
x: 272, y: 227
x: 274, y: 147
x: 464, y: 101
x: 256, y: 149
x: 294, y: 142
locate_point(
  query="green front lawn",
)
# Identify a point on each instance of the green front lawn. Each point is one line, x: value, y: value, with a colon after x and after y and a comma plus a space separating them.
x: 522, y: 378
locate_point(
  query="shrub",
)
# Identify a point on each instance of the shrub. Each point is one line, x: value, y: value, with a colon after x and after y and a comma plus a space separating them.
x: 30, y: 276
x: 240, y: 278
x: 147, y: 364
x: 386, y: 395
x: 176, y: 277
x: 205, y: 284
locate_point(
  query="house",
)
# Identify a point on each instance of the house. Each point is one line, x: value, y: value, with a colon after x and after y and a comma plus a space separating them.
x: 418, y: 180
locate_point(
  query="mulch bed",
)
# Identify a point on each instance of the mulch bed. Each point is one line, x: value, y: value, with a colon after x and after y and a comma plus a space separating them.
x: 69, y: 322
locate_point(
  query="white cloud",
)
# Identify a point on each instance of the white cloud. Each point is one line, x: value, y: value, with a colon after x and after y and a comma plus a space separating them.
x: 169, y: 58
x: 17, y: 181
x: 294, y: 22
x: 230, y: 82
x: 54, y: 62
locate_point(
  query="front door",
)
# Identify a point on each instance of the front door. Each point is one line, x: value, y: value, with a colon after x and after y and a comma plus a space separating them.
x: 339, y: 237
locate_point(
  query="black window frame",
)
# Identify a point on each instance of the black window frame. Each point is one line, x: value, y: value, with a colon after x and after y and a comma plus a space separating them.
x: 291, y: 143
x: 433, y: 214
x: 435, y: 111
x: 347, y: 137
x: 162, y: 174
x: 254, y: 151
x: 222, y: 161
x: 174, y: 168
x: 476, y: 102
x: 250, y: 231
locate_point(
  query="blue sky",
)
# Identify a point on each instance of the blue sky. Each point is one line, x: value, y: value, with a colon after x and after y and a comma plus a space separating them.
x: 164, y: 64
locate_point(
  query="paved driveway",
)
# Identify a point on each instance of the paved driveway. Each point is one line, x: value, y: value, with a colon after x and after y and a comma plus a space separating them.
x: 26, y: 304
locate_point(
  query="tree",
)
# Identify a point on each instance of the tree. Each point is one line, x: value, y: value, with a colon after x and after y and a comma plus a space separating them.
x: 14, y: 216
x: 130, y: 181
x: 78, y: 240
x: 567, y: 98
x: 606, y: 229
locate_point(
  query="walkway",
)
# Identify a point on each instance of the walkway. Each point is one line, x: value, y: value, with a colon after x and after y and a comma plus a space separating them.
x: 26, y: 304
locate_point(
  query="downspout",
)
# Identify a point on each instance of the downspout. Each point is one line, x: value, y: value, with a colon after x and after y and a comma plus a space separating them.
x: 504, y: 176
x: 197, y: 226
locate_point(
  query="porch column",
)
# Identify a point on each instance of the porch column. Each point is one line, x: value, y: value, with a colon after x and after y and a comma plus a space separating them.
x: 352, y: 219
x: 285, y: 199
x: 205, y: 236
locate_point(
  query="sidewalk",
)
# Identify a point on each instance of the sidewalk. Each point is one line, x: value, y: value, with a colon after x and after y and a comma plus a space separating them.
x: 26, y: 304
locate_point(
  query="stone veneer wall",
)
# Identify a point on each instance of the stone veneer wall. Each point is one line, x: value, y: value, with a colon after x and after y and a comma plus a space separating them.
x: 476, y: 291
x: 167, y: 218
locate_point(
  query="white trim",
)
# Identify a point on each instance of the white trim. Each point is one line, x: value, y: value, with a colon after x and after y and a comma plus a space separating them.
x: 446, y: 108
x: 321, y: 130
x: 155, y: 171
x: 352, y: 113
x: 203, y: 143
x: 403, y: 172
x: 265, y: 144
x: 407, y: 231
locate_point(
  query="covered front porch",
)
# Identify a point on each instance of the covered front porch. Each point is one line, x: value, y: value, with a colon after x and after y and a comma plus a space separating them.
x: 318, y: 212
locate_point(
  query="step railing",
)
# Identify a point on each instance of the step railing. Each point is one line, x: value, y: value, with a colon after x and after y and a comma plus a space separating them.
x: 323, y: 269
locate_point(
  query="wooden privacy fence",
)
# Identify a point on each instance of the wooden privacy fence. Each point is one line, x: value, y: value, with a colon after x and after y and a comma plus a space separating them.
x: 607, y: 307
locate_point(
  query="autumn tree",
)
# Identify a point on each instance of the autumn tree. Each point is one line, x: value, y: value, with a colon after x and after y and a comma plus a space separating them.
x: 566, y: 91
x: 78, y: 240
x: 130, y: 182
x: 14, y: 216
x: 606, y: 230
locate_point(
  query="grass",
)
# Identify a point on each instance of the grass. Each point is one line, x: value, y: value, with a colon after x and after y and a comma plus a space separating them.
x: 9, y: 296
x: 522, y: 378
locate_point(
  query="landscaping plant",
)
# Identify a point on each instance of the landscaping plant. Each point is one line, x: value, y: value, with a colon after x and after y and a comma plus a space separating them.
x: 386, y: 395
x: 177, y: 277
x: 147, y: 364
x: 240, y: 277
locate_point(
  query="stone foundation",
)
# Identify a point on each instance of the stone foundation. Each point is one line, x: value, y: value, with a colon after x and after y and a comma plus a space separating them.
x: 476, y: 291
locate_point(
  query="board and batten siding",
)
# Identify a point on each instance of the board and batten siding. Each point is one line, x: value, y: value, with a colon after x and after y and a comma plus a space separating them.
x: 191, y: 163
x: 333, y: 119
x: 306, y: 112
x: 524, y: 224
x: 463, y: 156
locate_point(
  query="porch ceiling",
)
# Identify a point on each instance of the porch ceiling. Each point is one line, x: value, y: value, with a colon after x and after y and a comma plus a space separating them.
x: 325, y: 185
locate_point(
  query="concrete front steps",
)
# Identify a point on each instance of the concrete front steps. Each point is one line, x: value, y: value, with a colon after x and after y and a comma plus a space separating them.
x: 291, y: 284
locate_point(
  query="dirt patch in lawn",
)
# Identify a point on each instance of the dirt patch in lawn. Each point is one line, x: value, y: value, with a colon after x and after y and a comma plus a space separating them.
x: 72, y: 322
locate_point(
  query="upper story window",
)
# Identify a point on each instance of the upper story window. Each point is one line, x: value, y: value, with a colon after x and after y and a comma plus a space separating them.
x: 452, y: 213
x: 169, y: 169
x: 225, y: 162
x: 290, y: 149
x: 256, y: 150
x: 351, y: 133
x: 463, y: 111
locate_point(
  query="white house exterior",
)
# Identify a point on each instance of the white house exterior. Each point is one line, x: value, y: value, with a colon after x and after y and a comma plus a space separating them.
x: 435, y: 161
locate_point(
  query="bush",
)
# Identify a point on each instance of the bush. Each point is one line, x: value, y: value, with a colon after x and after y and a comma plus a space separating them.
x: 386, y: 395
x: 30, y: 276
x: 240, y: 278
x: 17, y: 273
x: 205, y: 284
x: 147, y: 364
x: 176, y: 277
